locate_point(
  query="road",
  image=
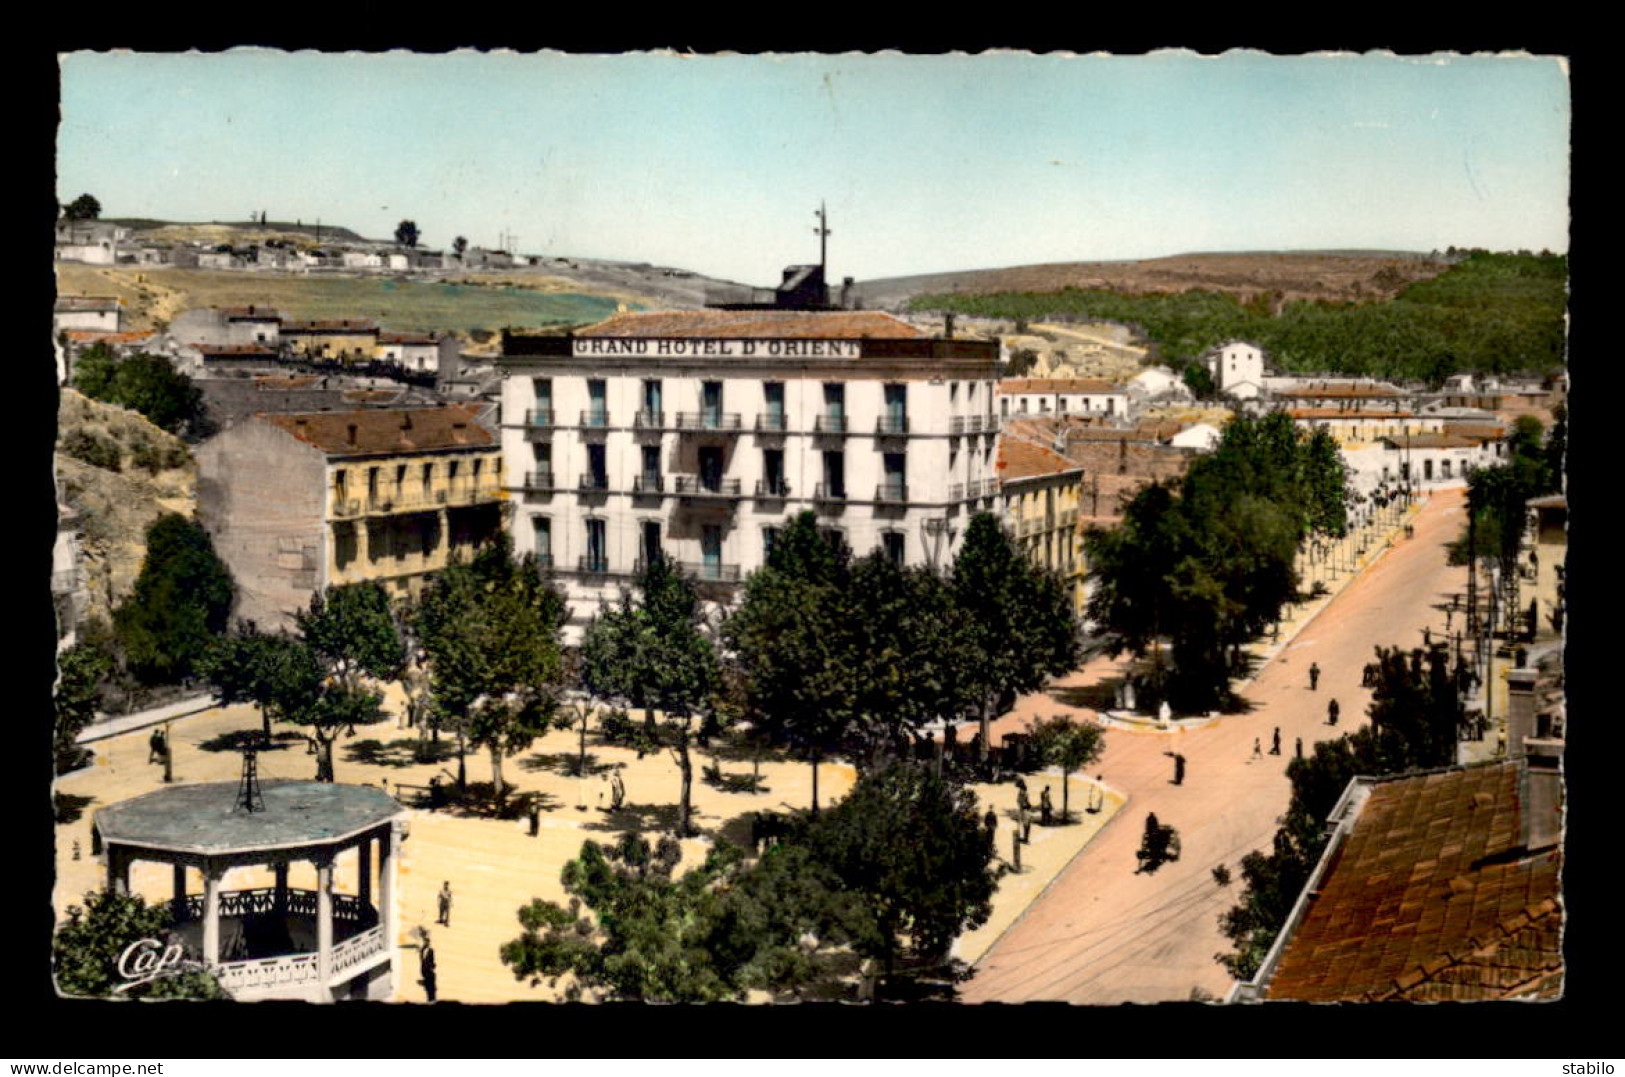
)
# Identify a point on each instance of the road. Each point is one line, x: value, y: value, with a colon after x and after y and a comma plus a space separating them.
x: 1104, y: 934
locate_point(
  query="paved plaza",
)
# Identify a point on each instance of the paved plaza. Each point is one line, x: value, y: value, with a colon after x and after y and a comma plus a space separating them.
x: 1076, y: 923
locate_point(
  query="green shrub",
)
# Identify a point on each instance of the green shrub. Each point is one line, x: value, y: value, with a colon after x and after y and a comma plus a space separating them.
x: 93, y: 449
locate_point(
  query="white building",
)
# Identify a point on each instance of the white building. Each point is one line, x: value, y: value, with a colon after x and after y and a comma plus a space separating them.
x: 1237, y: 368
x: 97, y: 312
x: 700, y: 434
x: 1062, y: 396
x: 419, y: 352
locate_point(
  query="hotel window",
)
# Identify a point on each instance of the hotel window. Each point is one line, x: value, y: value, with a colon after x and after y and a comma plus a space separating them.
x: 773, y: 393
x: 773, y: 472
x: 597, y: 468
x: 835, y: 407
x: 597, y: 402
x: 651, y: 467
x: 834, y: 536
x: 597, y: 548
x: 896, y: 413
x: 711, y: 404
x: 892, y: 543
x: 651, y: 542
x: 711, y: 552
x: 895, y: 485
x: 652, y: 402
x: 770, y: 535
x: 711, y: 468
x: 835, y: 473
x: 543, y: 527
x: 428, y: 475
x: 542, y: 409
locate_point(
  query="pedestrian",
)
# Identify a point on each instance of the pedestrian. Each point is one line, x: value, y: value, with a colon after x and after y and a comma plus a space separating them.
x: 434, y: 792
x: 1258, y: 749
x: 1275, y: 741
x: 1427, y: 637
x: 1332, y: 710
x: 617, y: 790
x: 426, y: 965
x: 1314, y: 676
x: 445, y: 903
x: 991, y: 822
x: 156, y: 748
x: 535, y: 810
x: 1046, y: 807
x: 1297, y: 748
x: 1024, y: 820
x: 1179, y: 769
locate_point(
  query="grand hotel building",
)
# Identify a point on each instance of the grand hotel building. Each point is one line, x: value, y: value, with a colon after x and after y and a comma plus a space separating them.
x: 701, y: 433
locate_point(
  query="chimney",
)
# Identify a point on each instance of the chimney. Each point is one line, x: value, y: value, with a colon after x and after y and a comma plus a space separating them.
x: 846, y: 292
x: 1541, y: 801
x: 1520, y: 710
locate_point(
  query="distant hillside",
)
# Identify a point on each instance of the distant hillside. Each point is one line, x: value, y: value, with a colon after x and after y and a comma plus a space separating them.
x: 1276, y: 277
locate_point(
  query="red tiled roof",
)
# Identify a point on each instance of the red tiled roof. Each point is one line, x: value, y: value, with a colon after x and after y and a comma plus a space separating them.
x: 793, y: 324
x: 1475, y: 430
x: 1023, y: 460
x: 1333, y: 392
x: 407, y: 338
x: 1096, y: 386
x: 105, y: 336
x: 341, y: 325
x: 252, y: 312
x: 1339, y: 413
x: 1429, y: 898
x: 384, y: 431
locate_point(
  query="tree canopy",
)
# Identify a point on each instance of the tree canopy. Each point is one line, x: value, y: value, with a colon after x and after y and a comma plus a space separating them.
x: 83, y: 208
x: 649, y: 652
x: 148, y: 384
x: 180, y: 603
x: 406, y: 233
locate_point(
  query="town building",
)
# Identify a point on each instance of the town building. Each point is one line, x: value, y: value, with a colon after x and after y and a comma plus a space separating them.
x: 91, y: 242
x: 297, y: 502
x: 1062, y: 396
x: 1437, y: 886
x: 99, y: 313
x: 699, y: 434
x: 420, y: 353
x: 343, y: 340
x: 1546, y: 546
x: 1040, y: 489
x: 1237, y: 368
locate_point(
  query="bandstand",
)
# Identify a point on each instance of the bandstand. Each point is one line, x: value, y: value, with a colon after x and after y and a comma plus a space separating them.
x: 272, y: 942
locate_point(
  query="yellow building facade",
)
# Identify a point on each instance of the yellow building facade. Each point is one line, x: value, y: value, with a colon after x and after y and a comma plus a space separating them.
x: 1041, y: 492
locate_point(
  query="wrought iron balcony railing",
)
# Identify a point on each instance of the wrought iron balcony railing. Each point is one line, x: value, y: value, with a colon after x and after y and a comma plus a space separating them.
x: 829, y: 492
x: 715, y: 422
x: 891, y: 425
x: 648, y: 484
x: 891, y: 492
x: 711, y: 571
x: 593, y: 564
x: 772, y: 424
x: 772, y: 488
x: 595, y: 418
x: 649, y: 420
x: 700, y: 486
x: 829, y: 424
x: 539, y: 417
x: 593, y: 483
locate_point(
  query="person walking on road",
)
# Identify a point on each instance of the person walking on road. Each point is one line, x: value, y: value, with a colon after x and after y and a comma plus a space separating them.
x: 1258, y: 749
x: 1298, y: 748
x: 1332, y: 710
x: 1275, y: 741
x: 1314, y: 676
x: 445, y: 903
x: 617, y: 791
x: 1046, y: 807
x: 156, y: 748
x: 426, y: 965
x: 1179, y: 769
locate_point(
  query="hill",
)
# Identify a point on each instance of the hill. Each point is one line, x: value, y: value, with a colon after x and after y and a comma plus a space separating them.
x: 1277, y: 277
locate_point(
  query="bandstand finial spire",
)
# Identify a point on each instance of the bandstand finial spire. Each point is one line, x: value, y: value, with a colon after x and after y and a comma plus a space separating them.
x: 249, y: 798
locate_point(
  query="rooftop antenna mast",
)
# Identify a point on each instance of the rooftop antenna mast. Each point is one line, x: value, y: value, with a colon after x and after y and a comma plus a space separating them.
x: 822, y: 231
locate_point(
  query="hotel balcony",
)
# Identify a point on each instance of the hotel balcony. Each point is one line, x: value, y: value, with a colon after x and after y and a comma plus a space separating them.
x: 711, y: 571
x: 830, y: 425
x: 971, y: 424
x: 772, y: 424
x: 648, y: 485
x: 709, y: 422
x: 595, y: 419
x: 891, y: 426
x: 697, y: 486
x: 891, y: 493
x: 538, y: 421
x: 829, y: 494
x: 770, y: 489
x: 646, y: 421
x: 393, y: 502
x: 542, y: 481
x: 593, y: 565
x: 592, y: 483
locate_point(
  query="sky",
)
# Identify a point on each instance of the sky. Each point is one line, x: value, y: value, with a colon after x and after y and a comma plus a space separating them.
x: 718, y: 164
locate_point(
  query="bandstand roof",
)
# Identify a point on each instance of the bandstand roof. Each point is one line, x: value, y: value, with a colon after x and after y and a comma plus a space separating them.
x: 204, y: 818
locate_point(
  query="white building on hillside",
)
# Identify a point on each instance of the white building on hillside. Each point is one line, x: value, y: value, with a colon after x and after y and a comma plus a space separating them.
x: 1237, y: 368
x: 701, y: 434
x: 1062, y: 396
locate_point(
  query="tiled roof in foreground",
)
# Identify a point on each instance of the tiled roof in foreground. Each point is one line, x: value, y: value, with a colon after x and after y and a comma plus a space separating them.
x: 381, y: 431
x: 1431, y: 898
x: 756, y: 324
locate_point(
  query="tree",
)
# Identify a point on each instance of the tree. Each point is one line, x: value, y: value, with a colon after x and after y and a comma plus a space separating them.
x: 491, y: 630
x: 352, y: 630
x: 180, y: 603
x: 788, y: 638
x: 406, y: 233
x: 86, y: 950
x: 1069, y: 744
x: 650, y: 653
x: 80, y: 671
x: 148, y: 384
x: 278, y: 673
x: 1021, y: 626
x: 459, y: 246
x: 909, y: 650
x: 633, y: 932
x: 83, y: 208
x: 910, y: 846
